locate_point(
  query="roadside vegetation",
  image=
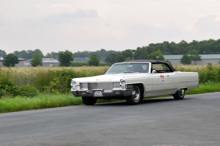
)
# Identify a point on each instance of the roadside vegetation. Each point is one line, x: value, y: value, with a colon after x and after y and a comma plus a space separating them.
x: 21, y: 103
x: 42, y: 100
x: 205, y: 88
x: 46, y: 87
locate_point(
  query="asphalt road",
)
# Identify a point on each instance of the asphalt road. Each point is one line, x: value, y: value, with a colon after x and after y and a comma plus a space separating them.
x: 194, y: 121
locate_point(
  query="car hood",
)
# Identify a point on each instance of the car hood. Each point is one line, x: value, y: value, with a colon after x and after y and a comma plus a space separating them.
x: 109, y: 77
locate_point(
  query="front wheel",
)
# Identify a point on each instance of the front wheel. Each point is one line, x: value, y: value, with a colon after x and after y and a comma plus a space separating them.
x: 89, y: 100
x: 179, y: 94
x: 135, y: 98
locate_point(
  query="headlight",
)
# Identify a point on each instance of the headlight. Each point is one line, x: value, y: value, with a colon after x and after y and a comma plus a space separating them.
x: 122, y: 81
x: 122, y: 84
x: 73, y: 85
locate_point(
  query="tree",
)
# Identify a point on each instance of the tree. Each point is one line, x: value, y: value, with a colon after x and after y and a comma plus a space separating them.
x: 128, y: 58
x: 21, y: 54
x: 194, y: 56
x: 157, y: 55
x: 2, y: 53
x: 102, y: 53
x: 52, y: 55
x: 94, y: 60
x: 141, y: 53
x: 127, y: 53
x: 111, y: 58
x: 37, y: 51
x: 120, y: 58
x: 10, y: 60
x: 36, y: 61
x: 186, y: 59
x: 29, y: 54
x: 65, y: 58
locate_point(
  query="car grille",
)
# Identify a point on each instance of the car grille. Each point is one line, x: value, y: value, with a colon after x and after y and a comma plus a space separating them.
x: 105, y: 86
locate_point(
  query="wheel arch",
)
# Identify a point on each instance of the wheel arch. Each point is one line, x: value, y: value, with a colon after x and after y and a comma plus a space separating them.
x: 185, y: 88
x: 141, y: 86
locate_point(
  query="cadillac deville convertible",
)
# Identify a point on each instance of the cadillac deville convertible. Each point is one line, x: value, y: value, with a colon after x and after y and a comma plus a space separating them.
x: 134, y: 80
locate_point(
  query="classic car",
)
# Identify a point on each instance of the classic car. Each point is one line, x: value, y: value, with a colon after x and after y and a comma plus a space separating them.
x: 134, y: 80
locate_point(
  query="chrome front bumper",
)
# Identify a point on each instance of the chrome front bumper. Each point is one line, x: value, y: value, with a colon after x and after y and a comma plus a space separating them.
x: 115, y: 93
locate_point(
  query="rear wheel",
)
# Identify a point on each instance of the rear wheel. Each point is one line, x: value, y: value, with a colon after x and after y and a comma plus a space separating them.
x: 89, y: 100
x: 136, y: 96
x: 179, y: 94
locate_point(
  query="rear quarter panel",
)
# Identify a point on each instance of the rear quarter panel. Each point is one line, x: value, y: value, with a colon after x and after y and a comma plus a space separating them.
x: 188, y: 80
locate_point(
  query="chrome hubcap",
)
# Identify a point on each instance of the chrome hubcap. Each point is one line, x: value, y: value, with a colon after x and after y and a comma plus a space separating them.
x: 181, y: 92
x: 136, y: 94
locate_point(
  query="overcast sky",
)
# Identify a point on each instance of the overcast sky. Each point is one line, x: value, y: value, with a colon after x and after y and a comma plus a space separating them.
x: 80, y: 25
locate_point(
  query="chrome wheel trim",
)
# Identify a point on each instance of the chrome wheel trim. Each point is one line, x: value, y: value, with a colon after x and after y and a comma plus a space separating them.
x: 181, y: 92
x: 136, y: 94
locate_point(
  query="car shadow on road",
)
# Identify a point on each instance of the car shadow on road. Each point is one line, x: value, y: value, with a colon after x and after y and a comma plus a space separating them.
x: 145, y: 101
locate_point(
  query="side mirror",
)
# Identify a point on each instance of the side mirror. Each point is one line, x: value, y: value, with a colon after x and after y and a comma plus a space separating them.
x: 154, y: 71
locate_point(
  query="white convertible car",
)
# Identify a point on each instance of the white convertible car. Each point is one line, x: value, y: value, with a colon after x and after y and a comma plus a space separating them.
x: 134, y: 80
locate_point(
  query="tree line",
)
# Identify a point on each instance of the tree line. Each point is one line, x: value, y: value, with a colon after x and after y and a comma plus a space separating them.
x: 189, y: 51
x: 65, y: 59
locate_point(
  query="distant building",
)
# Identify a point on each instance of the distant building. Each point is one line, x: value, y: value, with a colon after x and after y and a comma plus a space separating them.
x: 86, y: 59
x: 46, y: 62
x: 50, y: 62
x: 19, y: 59
x: 205, y: 59
x: 1, y: 58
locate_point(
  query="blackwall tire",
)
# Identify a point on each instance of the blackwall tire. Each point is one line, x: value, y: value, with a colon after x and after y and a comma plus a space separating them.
x: 89, y: 100
x: 136, y: 97
x: 179, y: 95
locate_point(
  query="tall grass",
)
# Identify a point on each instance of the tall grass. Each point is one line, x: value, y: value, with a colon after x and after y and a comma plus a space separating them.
x: 38, y: 102
x: 27, y: 75
x: 57, y: 79
x: 50, y: 79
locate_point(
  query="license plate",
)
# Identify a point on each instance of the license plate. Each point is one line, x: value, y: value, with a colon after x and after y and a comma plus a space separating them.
x: 98, y: 93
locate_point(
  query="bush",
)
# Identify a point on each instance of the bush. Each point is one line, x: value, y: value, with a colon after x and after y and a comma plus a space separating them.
x: 7, y: 87
x: 210, y: 73
x: 57, y: 81
x: 27, y: 90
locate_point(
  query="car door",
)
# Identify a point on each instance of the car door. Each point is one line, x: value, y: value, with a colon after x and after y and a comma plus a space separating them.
x: 172, y: 80
x: 161, y: 80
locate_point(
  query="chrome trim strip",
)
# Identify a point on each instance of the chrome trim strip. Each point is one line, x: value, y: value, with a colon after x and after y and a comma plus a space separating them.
x: 170, y: 83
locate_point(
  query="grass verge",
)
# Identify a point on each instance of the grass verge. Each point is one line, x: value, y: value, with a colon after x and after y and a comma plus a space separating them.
x: 38, y: 102
x: 57, y: 100
x: 205, y: 88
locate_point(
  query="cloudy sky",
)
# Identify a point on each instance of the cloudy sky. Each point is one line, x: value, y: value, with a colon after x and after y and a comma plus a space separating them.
x: 79, y: 25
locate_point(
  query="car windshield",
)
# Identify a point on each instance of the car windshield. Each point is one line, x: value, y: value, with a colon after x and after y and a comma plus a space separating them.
x: 129, y: 68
